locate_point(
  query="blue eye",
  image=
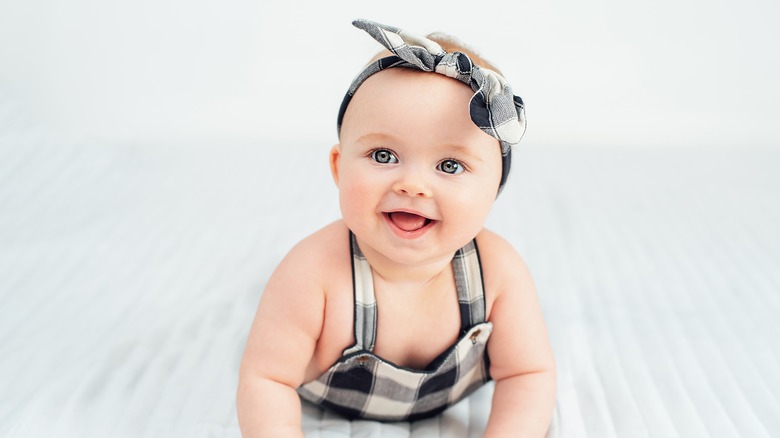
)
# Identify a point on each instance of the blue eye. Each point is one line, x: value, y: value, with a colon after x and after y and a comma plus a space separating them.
x: 451, y: 167
x: 383, y: 156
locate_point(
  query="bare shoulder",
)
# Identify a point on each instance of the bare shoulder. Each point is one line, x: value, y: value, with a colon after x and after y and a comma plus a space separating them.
x: 503, y: 268
x: 491, y: 243
x: 314, y: 267
x: 315, y: 258
x: 290, y: 316
x: 519, y: 341
x: 297, y: 290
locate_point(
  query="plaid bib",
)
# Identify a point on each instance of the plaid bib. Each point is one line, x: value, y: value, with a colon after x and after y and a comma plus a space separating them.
x: 363, y: 385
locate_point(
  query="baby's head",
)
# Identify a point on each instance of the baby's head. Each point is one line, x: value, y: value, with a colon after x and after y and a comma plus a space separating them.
x: 493, y: 107
x: 425, y: 142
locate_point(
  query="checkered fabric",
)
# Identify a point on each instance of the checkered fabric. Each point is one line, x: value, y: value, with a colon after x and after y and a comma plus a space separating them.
x: 493, y: 108
x: 363, y: 385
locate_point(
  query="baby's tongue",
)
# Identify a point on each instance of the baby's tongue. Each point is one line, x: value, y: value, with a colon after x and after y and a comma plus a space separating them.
x: 407, y: 221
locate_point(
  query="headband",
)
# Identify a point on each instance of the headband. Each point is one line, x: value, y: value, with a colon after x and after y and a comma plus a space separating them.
x: 493, y: 108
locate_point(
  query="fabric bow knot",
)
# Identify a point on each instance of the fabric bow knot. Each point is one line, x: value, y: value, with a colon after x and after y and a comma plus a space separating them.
x: 493, y: 108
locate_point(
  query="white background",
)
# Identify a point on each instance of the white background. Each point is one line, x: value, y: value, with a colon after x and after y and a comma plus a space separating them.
x: 602, y: 72
x: 145, y: 201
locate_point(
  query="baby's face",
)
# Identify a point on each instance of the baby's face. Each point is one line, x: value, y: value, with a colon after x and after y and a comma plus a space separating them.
x: 416, y: 177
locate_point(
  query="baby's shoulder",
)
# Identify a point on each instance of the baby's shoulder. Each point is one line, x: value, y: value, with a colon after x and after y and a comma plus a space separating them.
x: 495, y: 249
x: 321, y: 255
x: 502, y: 265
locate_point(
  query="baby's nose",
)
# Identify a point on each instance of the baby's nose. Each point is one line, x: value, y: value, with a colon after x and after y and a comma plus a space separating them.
x: 412, y: 186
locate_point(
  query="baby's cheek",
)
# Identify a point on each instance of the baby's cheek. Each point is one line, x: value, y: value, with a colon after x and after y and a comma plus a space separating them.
x: 474, y: 210
x: 353, y: 186
x: 354, y: 198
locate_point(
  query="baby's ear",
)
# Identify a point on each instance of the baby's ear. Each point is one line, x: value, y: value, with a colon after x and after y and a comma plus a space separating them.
x: 335, y: 155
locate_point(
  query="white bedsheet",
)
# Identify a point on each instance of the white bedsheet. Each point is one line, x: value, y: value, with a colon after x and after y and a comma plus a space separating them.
x: 129, y: 274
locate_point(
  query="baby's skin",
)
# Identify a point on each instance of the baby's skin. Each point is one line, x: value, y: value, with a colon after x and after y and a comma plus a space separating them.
x: 416, y: 181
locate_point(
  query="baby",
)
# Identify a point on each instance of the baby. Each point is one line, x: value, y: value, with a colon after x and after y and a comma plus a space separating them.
x: 407, y: 304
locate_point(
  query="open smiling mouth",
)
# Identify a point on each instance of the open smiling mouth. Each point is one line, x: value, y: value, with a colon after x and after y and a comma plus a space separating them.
x: 408, y: 222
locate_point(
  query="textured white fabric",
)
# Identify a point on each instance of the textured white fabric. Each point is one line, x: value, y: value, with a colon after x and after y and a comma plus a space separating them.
x: 129, y: 274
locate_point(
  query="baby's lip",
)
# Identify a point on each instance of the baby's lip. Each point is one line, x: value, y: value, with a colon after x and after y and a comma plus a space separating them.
x: 407, y: 210
x: 408, y: 221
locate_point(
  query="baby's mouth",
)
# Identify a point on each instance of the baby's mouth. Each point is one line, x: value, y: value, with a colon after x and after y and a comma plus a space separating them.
x: 408, y: 221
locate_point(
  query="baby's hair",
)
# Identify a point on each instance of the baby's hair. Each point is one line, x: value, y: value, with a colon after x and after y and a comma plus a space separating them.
x: 450, y: 44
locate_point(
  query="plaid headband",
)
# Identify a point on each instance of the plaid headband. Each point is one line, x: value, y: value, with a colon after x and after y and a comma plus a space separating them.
x: 493, y: 108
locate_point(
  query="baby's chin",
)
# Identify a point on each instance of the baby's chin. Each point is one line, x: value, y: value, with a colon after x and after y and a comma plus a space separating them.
x: 435, y: 247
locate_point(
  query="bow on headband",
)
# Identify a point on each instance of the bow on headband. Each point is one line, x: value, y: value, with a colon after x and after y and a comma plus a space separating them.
x: 494, y: 108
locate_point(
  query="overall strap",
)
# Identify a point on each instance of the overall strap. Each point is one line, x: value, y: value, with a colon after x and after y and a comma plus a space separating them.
x: 468, y: 281
x: 365, y: 301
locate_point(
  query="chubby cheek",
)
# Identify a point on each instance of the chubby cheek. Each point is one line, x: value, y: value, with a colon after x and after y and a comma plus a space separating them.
x: 356, y: 199
x: 470, y: 212
x: 474, y: 215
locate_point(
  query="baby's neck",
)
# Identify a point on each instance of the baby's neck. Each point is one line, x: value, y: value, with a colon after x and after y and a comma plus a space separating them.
x: 417, y: 276
x: 411, y: 279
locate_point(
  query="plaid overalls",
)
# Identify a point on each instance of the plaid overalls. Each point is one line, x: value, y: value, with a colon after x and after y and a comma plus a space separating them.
x: 363, y: 385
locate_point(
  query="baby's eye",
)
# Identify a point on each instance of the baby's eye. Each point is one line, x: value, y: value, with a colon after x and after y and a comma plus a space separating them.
x: 383, y: 156
x: 450, y: 166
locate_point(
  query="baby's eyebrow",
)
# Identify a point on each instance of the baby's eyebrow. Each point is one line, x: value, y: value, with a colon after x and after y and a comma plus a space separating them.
x: 374, y: 137
x: 462, y: 150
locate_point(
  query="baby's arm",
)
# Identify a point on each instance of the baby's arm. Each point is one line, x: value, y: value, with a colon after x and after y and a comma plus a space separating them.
x: 521, y: 359
x: 279, y: 348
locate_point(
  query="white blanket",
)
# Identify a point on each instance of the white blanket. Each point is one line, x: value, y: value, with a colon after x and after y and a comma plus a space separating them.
x: 129, y: 275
